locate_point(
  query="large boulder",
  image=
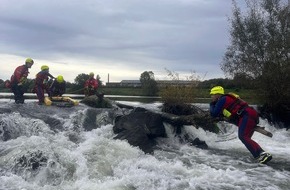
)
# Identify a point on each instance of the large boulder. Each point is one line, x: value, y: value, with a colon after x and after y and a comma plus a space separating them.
x: 279, y: 116
x: 140, y: 128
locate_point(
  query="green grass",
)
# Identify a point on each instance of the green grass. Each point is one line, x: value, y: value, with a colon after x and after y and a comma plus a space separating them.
x: 122, y: 91
x: 248, y: 95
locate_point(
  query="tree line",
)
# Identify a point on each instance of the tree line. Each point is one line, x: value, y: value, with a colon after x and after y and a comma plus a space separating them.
x: 148, y: 84
x: 259, y: 52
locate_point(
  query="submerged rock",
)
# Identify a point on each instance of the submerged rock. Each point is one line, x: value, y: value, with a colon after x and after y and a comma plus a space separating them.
x: 97, y: 102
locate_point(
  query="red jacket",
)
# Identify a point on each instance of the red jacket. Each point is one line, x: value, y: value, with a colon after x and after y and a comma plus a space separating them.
x: 92, y: 83
x: 42, y: 79
x: 230, y: 103
x: 20, y: 71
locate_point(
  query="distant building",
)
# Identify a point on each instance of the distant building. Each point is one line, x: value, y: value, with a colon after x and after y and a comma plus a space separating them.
x: 113, y: 84
x: 130, y: 83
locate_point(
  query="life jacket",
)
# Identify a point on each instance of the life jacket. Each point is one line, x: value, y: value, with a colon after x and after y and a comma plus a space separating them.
x: 235, y: 107
x: 20, y: 73
x: 92, y: 83
x: 41, y: 79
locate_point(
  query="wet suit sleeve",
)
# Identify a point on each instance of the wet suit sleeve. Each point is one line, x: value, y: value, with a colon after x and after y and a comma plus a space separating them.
x: 216, y: 109
x: 48, y: 74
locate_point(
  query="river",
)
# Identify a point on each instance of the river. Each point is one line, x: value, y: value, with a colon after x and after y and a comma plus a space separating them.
x: 75, y: 159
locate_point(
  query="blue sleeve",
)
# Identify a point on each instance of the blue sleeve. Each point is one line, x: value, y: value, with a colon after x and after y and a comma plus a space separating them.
x: 217, y: 109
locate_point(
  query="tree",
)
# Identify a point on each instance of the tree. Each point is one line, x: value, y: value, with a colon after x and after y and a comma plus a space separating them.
x: 177, y: 97
x: 148, y: 83
x: 80, y: 82
x: 260, y: 50
x: 81, y: 79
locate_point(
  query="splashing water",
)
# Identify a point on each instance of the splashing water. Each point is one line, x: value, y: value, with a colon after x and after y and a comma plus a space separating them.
x: 48, y: 148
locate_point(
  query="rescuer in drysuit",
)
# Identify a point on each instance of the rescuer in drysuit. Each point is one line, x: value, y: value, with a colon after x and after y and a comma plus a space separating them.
x: 241, y: 114
x: 18, y: 79
x: 41, y: 84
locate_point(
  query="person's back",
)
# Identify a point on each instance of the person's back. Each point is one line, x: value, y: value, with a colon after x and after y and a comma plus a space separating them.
x: 228, y: 106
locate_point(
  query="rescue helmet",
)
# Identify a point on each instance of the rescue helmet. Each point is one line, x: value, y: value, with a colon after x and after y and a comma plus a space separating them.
x: 91, y: 74
x: 44, y: 67
x: 217, y: 90
x: 29, y: 61
x: 59, y: 79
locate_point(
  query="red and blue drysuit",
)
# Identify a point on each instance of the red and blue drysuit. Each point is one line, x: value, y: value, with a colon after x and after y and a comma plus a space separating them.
x: 41, y: 85
x: 17, y: 79
x: 91, y: 86
x: 242, y: 115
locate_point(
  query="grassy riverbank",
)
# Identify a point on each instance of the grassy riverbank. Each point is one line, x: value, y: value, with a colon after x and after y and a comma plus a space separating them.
x: 202, y: 95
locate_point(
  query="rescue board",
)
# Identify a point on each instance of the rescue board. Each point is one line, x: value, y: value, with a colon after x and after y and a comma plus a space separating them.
x: 61, y: 101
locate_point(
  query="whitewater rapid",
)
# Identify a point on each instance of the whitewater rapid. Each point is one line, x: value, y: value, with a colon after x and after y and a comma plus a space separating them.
x: 72, y: 158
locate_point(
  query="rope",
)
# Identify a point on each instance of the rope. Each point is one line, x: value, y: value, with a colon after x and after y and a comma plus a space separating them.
x: 75, y: 91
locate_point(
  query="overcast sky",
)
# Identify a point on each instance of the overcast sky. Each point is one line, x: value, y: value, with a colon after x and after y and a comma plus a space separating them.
x: 122, y: 38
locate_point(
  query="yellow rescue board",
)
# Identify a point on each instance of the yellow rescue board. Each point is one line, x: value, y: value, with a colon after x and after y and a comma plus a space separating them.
x: 50, y: 100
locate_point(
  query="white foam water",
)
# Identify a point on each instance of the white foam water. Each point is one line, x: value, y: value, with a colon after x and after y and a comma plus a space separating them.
x: 94, y: 160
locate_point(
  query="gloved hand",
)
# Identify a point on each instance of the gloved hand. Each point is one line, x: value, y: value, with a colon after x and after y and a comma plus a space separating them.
x: 19, y: 84
x: 22, y: 81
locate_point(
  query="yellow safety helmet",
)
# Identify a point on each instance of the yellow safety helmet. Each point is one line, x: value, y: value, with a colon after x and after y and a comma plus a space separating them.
x: 91, y: 74
x: 44, y: 67
x: 217, y: 90
x: 29, y: 60
x: 59, y: 79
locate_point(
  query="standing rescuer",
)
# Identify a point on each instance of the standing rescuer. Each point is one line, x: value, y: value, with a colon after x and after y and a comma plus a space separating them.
x: 91, y: 85
x: 18, y: 79
x: 238, y: 112
x: 41, y: 83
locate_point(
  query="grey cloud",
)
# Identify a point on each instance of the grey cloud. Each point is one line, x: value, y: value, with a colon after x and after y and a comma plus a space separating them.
x: 154, y: 33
